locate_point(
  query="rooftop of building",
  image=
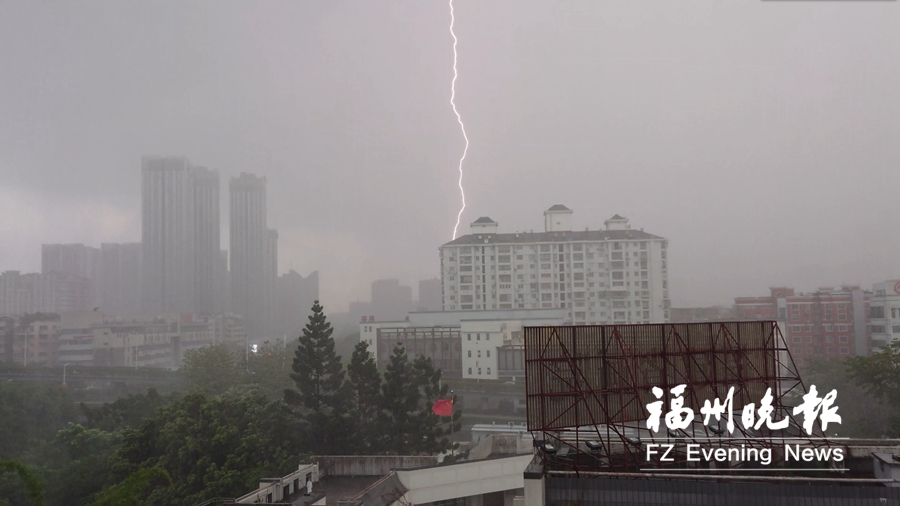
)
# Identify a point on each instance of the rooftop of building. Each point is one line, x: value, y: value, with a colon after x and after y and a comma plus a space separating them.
x: 562, y: 236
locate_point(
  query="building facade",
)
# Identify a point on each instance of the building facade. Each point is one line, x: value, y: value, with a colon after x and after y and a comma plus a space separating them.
x: 120, y: 278
x: 77, y: 260
x: 207, y: 225
x: 248, y: 238
x: 55, y: 292
x: 429, y: 295
x: 296, y: 296
x: 485, y: 345
x: 167, y: 231
x: 885, y: 313
x: 616, y: 275
x: 827, y: 323
x: 390, y: 299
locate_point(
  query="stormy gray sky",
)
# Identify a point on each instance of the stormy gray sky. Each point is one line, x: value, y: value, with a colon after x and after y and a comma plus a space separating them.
x: 760, y: 138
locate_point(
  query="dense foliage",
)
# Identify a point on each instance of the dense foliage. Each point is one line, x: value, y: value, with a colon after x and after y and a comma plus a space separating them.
x: 862, y: 414
x: 230, y: 428
x: 879, y: 378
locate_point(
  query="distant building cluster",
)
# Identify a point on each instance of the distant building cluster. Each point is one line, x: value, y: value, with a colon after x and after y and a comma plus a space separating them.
x: 179, y: 266
x: 93, y: 339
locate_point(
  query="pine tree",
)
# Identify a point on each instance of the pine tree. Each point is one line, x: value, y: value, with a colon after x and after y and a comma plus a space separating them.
x: 409, y: 391
x: 364, y: 394
x: 317, y: 369
x: 400, y: 398
x: 430, y: 437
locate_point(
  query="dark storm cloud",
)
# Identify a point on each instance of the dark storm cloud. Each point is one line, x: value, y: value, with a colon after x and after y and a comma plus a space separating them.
x: 759, y: 137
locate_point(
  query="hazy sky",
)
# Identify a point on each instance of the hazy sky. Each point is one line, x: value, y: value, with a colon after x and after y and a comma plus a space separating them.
x: 761, y: 138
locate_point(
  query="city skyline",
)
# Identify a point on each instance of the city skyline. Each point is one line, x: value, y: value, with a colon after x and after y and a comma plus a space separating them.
x: 785, y: 177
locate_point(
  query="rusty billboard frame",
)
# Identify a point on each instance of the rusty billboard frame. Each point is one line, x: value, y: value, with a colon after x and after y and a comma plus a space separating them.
x: 592, y: 383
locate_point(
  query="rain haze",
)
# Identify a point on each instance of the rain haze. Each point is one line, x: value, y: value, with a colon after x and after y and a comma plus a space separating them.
x: 759, y: 138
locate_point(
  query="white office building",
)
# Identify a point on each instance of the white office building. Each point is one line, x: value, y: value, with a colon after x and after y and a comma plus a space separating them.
x: 487, y: 343
x: 884, y: 313
x: 612, y: 276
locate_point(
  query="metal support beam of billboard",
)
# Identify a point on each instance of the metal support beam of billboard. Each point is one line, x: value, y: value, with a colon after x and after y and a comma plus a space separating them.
x: 587, y: 388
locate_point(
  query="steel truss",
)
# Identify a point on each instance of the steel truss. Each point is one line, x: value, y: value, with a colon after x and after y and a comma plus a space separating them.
x: 587, y: 388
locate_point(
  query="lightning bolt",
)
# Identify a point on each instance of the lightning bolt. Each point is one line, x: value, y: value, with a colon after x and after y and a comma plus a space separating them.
x: 462, y: 192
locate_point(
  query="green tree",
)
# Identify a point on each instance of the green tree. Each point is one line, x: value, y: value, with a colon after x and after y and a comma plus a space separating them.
x: 214, y: 369
x: 364, y: 395
x: 270, y: 370
x: 77, y: 463
x: 30, y: 414
x: 211, y: 447
x: 131, y: 490
x: 430, y: 437
x: 862, y: 413
x: 317, y: 370
x: 318, y: 376
x: 879, y: 377
x: 400, y: 400
x: 408, y: 394
x: 127, y: 412
x: 34, y: 489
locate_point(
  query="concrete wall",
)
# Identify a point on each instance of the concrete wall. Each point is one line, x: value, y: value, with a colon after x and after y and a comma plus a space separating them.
x: 369, y: 465
x: 464, y: 479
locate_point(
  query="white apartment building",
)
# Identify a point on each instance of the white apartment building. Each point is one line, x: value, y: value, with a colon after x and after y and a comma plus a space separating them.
x: 613, y: 276
x: 884, y: 313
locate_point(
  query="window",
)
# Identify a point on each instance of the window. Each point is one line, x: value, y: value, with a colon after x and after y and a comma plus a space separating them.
x: 844, y: 351
x: 478, y: 337
x: 479, y: 353
x: 470, y: 371
x: 489, y: 370
x: 488, y: 355
x: 479, y: 371
x: 895, y: 312
x: 487, y: 337
x: 876, y: 312
x: 796, y: 340
x: 878, y: 329
x: 470, y: 353
x: 895, y: 329
x: 470, y: 336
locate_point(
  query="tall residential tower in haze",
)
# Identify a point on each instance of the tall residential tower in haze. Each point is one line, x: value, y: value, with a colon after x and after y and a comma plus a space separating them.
x: 206, y: 239
x: 250, y: 240
x: 167, y: 235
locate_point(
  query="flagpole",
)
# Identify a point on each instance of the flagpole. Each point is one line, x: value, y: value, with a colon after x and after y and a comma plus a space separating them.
x: 452, y: 450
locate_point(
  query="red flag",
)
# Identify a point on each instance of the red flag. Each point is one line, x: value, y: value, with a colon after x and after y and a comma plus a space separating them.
x: 443, y: 407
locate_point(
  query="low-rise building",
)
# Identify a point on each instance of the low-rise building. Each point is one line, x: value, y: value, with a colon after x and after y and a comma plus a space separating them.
x: 826, y: 323
x: 463, y: 344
